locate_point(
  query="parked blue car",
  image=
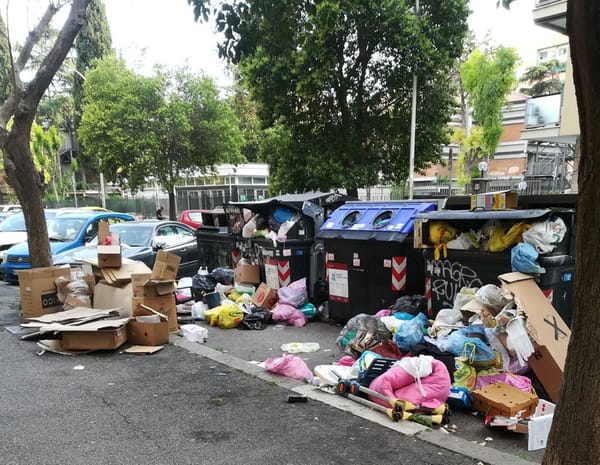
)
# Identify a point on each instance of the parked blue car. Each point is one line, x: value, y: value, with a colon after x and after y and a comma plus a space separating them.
x: 65, y: 232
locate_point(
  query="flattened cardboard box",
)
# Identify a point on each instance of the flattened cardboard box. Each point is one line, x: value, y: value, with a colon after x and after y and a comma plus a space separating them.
x: 164, y: 304
x: 549, y: 333
x: 38, y: 291
x: 165, y: 266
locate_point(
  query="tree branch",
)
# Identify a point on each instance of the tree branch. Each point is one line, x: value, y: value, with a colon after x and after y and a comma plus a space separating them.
x: 56, y: 56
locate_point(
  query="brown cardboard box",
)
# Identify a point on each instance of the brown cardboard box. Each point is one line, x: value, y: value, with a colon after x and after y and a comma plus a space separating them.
x: 164, y: 304
x: 113, y: 296
x: 38, y: 291
x: 145, y: 333
x: 495, y: 200
x: 165, y: 266
x: 102, y: 339
x: 265, y: 297
x: 109, y: 256
x: 247, y: 274
x: 143, y: 286
x: 546, y: 329
x: 501, y: 399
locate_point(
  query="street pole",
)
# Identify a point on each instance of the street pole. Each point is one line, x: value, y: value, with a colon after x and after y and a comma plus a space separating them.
x: 413, y: 126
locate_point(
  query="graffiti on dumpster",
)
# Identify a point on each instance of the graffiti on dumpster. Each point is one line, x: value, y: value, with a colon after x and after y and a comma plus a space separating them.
x: 447, y: 278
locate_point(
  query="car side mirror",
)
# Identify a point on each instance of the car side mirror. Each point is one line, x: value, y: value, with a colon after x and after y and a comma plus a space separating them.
x: 158, y: 245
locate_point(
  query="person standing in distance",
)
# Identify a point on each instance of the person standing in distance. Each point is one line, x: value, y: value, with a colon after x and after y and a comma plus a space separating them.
x: 159, y: 213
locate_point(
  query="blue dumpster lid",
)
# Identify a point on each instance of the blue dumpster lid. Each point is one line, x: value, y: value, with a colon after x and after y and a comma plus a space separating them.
x: 382, y: 221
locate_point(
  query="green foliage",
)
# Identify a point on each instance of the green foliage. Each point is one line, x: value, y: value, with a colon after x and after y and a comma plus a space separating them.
x: 488, y: 79
x: 44, y: 148
x: 337, y: 75
x: 93, y: 42
x: 141, y: 127
x: 544, y: 78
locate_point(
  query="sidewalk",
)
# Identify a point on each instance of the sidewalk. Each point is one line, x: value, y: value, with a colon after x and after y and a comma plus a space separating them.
x: 243, y: 350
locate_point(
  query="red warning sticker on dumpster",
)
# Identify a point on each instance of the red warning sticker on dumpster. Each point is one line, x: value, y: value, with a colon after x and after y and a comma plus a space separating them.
x: 337, y: 275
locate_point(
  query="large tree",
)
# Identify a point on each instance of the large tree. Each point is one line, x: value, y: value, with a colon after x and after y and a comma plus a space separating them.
x: 156, y: 127
x: 337, y: 75
x: 575, y: 435
x: 17, y: 113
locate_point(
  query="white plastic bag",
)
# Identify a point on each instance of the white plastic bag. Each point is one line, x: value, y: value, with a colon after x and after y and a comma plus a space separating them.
x: 545, y: 235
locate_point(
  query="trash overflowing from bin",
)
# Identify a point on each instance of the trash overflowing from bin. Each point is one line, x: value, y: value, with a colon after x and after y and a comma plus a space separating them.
x: 494, y: 343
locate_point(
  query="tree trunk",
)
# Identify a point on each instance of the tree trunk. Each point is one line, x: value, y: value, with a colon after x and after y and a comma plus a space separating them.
x: 27, y: 183
x: 22, y: 106
x: 575, y: 435
x: 172, y: 206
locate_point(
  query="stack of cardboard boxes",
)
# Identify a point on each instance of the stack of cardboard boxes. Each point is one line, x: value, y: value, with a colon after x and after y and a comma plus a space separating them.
x: 144, y: 299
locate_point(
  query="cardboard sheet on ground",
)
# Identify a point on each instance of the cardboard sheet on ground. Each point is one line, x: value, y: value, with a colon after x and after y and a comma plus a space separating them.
x: 90, y: 326
x: 143, y: 350
x: 76, y: 314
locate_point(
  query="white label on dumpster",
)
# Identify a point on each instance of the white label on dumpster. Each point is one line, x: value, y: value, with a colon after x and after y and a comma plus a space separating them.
x: 272, y: 275
x: 338, y: 281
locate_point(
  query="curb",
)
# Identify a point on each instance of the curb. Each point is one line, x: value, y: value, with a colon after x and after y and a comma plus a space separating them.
x: 440, y: 438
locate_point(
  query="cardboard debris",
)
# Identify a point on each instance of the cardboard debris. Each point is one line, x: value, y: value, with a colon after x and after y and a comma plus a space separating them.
x: 247, y: 274
x: 265, y: 297
x: 501, y: 399
x: 148, y: 333
x: 114, y: 296
x: 547, y: 330
x: 144, y: 286
x: 143, y: 350
x: 76, y: 314
x: 55, y: 346
x: 117, y: 275
x: 38, y: 291
x: 165, y: 266
x: 109, y: 255
x: 96, y: 339
x: 89, y: 326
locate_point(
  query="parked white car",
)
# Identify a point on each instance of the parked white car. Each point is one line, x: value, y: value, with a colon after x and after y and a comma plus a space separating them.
x: 13, y: 230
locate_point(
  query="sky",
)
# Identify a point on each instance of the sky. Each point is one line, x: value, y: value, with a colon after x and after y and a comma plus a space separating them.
x: 147, y: 32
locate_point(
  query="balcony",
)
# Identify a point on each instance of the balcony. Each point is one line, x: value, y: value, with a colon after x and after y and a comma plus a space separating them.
x: 551, y: 14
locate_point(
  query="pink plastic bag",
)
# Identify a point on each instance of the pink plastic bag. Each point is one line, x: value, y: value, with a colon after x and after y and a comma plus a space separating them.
x: 291, y: 366
x: 295, y: 294
x: 522, y: 383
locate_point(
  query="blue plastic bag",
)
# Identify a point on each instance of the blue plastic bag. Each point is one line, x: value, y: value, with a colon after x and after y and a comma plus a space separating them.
x: 523, y: 258
x: 471, y: 342
x: 410, y: 332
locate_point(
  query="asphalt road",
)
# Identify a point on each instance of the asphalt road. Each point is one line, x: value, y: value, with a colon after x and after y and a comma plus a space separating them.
x: 201, y: 404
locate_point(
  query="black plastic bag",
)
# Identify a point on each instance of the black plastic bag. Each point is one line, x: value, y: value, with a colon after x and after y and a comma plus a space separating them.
x: 258, y: 319
x: 202, y: 284
x: 223, y: 276
x: 413, y: 304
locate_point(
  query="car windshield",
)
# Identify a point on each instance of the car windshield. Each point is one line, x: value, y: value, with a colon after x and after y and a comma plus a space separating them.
x: 64, y: 229
x: 14, y: 222
x: 133, y: 236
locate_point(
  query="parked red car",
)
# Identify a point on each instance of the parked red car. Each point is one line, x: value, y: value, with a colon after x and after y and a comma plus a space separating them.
x: 192, y: 218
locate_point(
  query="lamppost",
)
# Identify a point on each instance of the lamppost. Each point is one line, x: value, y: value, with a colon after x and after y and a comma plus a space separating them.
x: 413, y: 125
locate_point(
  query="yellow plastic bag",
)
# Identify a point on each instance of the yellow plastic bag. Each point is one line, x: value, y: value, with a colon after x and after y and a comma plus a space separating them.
x: 440, y: 234
x: 212, y: 315
x: 502, y: 236
x: 230, y: 317
x: 465, y: 375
